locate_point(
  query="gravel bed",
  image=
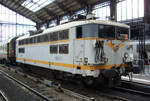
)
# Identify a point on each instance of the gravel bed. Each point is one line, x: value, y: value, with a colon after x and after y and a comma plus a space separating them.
x: 53, y: 93
x: 14, y: 92
x: 40, y: 87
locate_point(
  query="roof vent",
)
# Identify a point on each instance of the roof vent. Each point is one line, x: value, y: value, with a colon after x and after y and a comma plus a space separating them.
x: 90, y: 16
x: 35, y: 32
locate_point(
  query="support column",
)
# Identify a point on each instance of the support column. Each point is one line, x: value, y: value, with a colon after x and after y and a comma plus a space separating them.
x: 47, y: 24
x: 89, y: 9
x: 38, y: 26
x: 147, y: 11
x: 113, y: 10
x: 58, y: 20
x: 71, y: 16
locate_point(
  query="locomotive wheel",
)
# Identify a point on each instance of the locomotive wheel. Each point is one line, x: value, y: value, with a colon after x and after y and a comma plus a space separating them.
x: 111, y: 77
x: 88, y: 81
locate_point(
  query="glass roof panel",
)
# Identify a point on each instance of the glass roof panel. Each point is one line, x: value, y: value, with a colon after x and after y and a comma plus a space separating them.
x: 26, y: 2
x: 35, y: 5
x: 29, y: 5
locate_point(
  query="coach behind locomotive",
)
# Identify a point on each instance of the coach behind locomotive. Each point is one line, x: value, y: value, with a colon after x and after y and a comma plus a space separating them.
x: 7, y: 51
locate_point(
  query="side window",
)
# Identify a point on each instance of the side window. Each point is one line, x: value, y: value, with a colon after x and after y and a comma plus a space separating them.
x: 30, y: 41
x: 21, y: 50
x: 34, y: 39
x: 54, y: 36
x: 45, y: 37
x: 63, y: 35
x: 54, y: 49
x: 19, y: 42
x: 38, y: 39
x: 64, y: 49
x: 79, y: 32
x: 49, y: 37
x: 24, y: 42
x: 41, y: 38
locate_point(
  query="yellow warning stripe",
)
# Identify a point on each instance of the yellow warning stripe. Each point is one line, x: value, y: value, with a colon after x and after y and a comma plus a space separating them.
x: 60, y: 41
x: 95, y: 38
x: 84, y: 67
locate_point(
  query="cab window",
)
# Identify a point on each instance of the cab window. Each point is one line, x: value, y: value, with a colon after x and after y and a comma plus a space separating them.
x: 79, y: 32
x: 122, y: 33
x: 106, y: 31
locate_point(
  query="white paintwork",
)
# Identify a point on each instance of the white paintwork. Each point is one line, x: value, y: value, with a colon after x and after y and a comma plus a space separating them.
x: 78, y: 50
x: 76, y: 23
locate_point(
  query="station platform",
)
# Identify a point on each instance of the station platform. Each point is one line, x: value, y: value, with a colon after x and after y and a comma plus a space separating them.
x: 139, y: 78
x: 15, y: 92
x: 143, y: 77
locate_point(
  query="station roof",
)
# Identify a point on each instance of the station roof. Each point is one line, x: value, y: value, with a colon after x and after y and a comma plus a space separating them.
x: 41, y: 11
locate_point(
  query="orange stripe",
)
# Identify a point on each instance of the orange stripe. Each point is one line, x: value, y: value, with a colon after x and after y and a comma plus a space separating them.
x: 95, y: 38
x: 112, y: 45
x: 89, y: 38
x: 84, y: 67
x: 46, y: 42
x: 59, y: 41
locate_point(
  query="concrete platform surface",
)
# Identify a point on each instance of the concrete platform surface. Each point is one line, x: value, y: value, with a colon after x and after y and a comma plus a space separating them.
x: 139, y: 78
x: 15, y: 92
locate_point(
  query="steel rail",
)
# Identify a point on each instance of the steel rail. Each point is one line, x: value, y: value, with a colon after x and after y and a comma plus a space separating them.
x: 114, y: 96
x: 132, y: 91
x: 144, y: 88
x: 68, y: 92
x: 3, y: 96
x: 26, y: 86
x: 133, y: 82
x: 77, y: 95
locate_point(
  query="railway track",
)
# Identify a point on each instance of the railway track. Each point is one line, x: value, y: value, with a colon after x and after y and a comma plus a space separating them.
x: 135, y: 88
x: 132, y: 91
x: 26, y: 86
x: 71, y: 90
x: 3, y: 97
x: 119, y: 93
x: 57, y: 87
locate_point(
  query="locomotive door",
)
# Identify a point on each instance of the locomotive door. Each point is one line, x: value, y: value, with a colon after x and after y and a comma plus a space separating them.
x: 79, y: 47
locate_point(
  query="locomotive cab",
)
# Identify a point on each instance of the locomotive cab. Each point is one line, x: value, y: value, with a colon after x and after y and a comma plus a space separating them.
x: 103, y: 50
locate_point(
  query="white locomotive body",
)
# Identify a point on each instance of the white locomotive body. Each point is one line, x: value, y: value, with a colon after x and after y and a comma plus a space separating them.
x: 90, y: 48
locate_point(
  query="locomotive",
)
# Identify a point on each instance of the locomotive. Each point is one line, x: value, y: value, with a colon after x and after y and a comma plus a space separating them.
x: 94, y: 51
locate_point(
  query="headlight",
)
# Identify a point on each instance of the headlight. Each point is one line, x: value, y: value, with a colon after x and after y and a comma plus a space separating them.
x: 105, y: 60
x: 85, y: 60
x: 126, y: 55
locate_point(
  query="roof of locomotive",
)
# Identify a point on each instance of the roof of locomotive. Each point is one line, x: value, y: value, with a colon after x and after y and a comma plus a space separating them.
x: 76, y: 23
x: 79, y: 23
